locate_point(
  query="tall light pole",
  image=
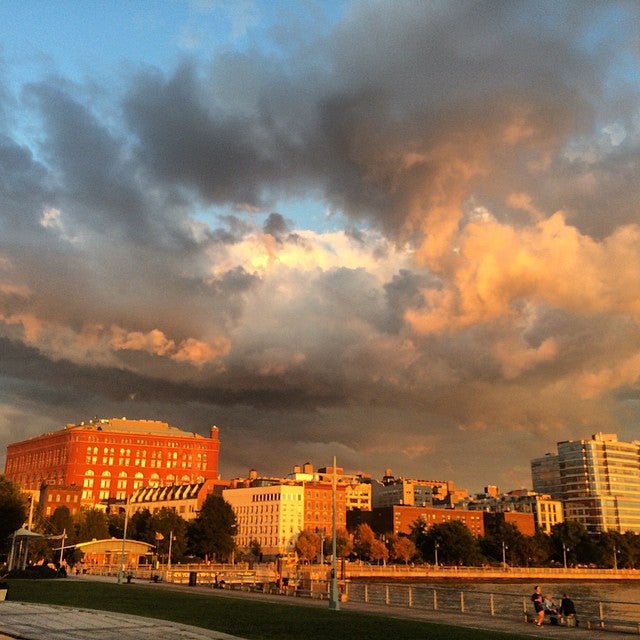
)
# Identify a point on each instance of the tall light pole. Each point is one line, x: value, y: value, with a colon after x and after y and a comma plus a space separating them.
x: 169, y: 558
x: 124, y: 541
x: 334, y: 596
x: 504, y: 555
x: 615, y: 558
x: 564, y: 553
x: 436, y: 547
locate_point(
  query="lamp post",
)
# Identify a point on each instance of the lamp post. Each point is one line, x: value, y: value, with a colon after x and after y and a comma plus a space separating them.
x: 334, y: 596
x: 504, y: 555
x: 169, y: 558
x: 615, y: 558
x: 124, y: 541
x: 564, y: 553
x: 436, y: 547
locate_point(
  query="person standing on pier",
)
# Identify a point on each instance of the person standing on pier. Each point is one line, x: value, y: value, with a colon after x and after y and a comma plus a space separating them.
x: 538, y: 604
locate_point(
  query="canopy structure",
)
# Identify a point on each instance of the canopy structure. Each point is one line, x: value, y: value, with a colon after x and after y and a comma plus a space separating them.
x: 22, y: 536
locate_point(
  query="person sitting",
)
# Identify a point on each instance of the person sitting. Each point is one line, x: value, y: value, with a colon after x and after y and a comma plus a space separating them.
x: 568, y: 611
x: 550, y: 610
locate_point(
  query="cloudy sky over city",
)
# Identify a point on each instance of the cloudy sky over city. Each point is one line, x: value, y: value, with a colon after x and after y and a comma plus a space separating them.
x: 402, y: 233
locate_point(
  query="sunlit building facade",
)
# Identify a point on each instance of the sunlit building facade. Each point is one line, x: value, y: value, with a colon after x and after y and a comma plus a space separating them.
x: 109, y: 459
x: 599, y: 482
x: 269, y: 516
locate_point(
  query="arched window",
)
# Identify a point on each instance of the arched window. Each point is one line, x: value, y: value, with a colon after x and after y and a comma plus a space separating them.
x: 138, y: 481
x: 154, y: 481
x: 88, y: 479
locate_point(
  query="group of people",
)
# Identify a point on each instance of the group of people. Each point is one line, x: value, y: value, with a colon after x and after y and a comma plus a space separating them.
x: 544, y: 606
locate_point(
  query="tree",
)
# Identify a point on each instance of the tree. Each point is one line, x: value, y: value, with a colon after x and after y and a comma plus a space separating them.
x: 211, y: 534
x: 93, y: 525
x: 379, y: 552
x: 504, y: 540
x: 13, y: 510
x: 61, y: 522
x: 168, y: 523
x: 570, y: 539
x: 140, y: 528
x: 308, y: 545
x: 362, y: 540
x: 402, y: 548
x: 344, y: 547
x: 454, y: 543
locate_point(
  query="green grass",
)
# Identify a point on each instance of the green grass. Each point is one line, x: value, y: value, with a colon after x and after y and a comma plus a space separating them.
x: 239, y: 616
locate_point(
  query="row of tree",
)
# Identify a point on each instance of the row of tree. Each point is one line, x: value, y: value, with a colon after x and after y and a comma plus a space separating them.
x: 210, y: 536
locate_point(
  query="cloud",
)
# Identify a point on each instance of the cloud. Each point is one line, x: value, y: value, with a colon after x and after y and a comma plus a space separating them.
x: 482, y: 293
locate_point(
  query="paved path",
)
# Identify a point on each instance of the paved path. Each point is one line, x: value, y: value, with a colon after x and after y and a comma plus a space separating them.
x: 26, y: 621
x: 47, y: 622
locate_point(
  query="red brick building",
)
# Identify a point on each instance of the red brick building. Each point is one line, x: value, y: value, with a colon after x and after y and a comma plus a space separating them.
x: 318, y: 507
x: 111, y: 458
x: 400, y: 518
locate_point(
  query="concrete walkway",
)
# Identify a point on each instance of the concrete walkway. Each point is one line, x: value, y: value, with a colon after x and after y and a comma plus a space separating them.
x: 26, y: 621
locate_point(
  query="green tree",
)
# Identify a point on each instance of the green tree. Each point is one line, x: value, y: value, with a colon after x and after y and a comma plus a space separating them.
x: 13, y: 510
x: 168, y: 523
x: 504, y: 541
x: 93, y: 525
x: 570, y: 540
x: 139, y: 527
x: 454, y: 543
x: 211, y: 534
x: 60, y: 523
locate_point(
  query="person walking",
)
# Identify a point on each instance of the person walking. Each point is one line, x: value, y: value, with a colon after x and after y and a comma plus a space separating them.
x: 538, y: 604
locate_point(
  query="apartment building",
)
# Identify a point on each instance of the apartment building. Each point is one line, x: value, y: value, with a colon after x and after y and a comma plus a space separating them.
x: 409, y: 492
x: 598, y: 481
x: 270, y: 515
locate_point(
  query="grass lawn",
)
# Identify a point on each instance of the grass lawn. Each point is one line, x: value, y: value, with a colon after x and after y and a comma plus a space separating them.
x: 246, y: 618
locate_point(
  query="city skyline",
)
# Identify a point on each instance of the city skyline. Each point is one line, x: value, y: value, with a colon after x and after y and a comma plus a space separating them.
x: 402, y: 234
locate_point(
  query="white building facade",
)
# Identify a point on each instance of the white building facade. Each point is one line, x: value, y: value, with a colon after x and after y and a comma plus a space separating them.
x: 271, y: 516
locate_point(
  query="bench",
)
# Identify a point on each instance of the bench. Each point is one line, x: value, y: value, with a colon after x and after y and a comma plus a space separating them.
x: 603, y: 623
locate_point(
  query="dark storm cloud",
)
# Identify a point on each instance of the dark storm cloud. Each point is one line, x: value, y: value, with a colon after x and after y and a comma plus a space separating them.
x: 485, y: 156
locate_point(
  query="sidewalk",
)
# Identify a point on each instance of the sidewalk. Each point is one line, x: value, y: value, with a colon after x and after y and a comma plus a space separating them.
x: 28, y: 621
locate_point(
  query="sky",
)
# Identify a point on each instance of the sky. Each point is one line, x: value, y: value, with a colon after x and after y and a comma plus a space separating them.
x: 402, y: 233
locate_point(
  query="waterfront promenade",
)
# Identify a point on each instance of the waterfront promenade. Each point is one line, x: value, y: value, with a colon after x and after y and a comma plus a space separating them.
x: 45, y: 622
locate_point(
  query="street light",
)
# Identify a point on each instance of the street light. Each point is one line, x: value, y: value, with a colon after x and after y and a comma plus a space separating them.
x: 615, y: 558
x: 124, y: 541
x: 504, y: 555
x: 564, y: 553
x: 436, y: 547
x: 334, y: 596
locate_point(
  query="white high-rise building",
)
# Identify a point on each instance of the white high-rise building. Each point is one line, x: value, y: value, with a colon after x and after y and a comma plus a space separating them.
x: 598, y: 482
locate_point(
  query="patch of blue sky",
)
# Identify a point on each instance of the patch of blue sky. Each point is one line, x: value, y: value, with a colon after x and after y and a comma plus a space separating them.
x: 96, y: 37
x: 300, y: 214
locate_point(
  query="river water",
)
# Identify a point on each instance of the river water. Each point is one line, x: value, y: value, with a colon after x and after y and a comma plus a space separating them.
x: 613, y: 600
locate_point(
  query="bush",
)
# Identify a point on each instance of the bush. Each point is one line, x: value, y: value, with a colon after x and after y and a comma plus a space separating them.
x: 36, y: 573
